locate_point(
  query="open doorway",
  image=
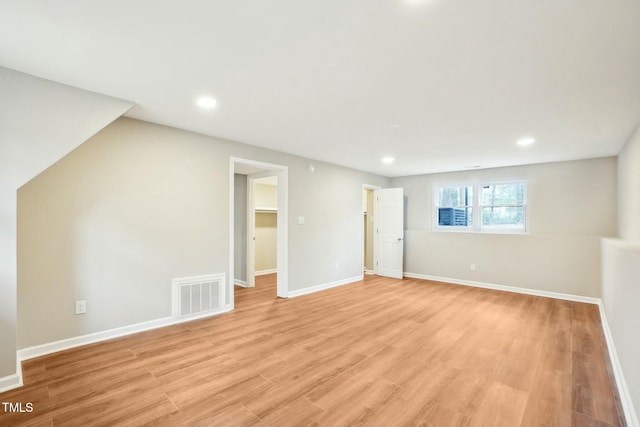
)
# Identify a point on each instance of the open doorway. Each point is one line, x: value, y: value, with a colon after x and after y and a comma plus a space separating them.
x: 248, y: 206
x: 368, y: 229
x: 265, y: 225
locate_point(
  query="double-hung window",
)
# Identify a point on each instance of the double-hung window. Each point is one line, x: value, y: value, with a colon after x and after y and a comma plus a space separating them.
x: 491, y: 206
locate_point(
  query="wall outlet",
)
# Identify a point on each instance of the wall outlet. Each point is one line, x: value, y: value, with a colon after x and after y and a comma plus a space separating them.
x: 81, y: 307
x: 472, y: 267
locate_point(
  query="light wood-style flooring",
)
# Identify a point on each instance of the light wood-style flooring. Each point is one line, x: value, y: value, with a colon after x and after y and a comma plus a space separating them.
x: 380, y: 352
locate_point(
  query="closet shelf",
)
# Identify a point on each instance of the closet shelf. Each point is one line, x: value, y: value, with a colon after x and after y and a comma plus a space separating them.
x: 266, y: 209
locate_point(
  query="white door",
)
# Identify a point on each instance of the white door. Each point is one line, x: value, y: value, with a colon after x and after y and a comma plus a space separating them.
x: 389, y: 232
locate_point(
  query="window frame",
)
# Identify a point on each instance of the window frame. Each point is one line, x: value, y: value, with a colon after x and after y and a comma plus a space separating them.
x: 476, y: 207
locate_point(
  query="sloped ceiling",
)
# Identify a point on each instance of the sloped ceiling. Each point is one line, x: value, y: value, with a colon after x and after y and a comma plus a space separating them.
x: 41, y: 121
x: 439, y: 85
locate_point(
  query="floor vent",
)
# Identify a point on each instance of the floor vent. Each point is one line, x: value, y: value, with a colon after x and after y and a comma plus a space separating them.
x: 198, y: 296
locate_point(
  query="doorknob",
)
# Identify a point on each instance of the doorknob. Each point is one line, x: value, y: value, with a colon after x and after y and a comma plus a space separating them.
x: 399, y: 239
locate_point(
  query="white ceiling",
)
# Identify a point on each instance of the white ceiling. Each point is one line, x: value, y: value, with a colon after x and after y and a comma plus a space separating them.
x: 438, y: 84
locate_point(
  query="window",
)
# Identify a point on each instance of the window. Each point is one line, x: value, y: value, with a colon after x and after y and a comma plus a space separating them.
x: 499, y: 206
x: 455, y: 206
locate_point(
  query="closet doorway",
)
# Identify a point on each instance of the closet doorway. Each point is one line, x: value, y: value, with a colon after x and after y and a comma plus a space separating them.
x: 243, y: 204
x: 368, y: 228
x: 263, y: 226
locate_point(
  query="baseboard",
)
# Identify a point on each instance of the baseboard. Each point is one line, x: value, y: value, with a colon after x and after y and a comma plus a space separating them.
x: 263, y: 272
x: 55, y: 346
x: 11, y: 381
x: 324, y: 286
x: 241, y: 283
x: 527, y: 291
x: 621, y: 384
x: 369, y: 272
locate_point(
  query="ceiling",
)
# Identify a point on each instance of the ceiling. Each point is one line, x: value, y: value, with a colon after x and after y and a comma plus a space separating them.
x: 439, y: 85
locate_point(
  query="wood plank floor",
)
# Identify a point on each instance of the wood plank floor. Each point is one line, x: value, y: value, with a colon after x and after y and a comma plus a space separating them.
x: 380, y: 352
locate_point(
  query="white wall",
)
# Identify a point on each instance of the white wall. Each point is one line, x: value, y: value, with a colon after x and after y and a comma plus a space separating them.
x: 140, y: 204
x: 40, y: 121
x: 629, y: 189
x: 266, y: 227
x: 621, y: 272
x: 571, y: 205
x: 266, y: 234
x: 8, y: 282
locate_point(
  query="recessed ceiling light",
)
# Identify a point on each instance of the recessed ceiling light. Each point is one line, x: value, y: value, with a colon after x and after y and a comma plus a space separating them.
x: 206, y: 102
x: 388, y: 160
x: 525, y: 141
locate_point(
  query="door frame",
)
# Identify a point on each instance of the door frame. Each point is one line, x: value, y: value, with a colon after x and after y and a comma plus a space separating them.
x: 282, y: 172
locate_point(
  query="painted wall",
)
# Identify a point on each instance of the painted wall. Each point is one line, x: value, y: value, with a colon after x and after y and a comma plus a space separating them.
x: 8, y: 280
x: 139, y: 204
x: 266, y: 234
x: 266, y: 196
x: 621, y: 271
x: 240, y: 227
x: 40, y: 121
x: 368, y: 230
x: 629, y: 189
x: 571, y: 205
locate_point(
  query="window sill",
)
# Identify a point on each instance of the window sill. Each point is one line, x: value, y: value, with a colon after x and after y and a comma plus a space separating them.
x: 468, y: 231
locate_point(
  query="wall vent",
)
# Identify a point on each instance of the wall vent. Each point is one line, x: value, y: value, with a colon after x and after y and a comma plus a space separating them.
x: 198, y: 296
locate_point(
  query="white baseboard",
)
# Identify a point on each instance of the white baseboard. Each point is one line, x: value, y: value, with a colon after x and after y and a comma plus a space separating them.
x: 324, y: 286
x: 625, y: 397
x: 263, y: 272
x: 238, y: 282
x: 11, y: 381
x: 527, y: 291
x: 368, y: 272
x: 52, y: 347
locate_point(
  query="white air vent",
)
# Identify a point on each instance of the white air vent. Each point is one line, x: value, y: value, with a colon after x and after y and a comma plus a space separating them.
x: 198, y: 296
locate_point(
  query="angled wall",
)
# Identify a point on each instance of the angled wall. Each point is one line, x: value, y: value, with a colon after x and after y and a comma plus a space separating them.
x: 40, y: 122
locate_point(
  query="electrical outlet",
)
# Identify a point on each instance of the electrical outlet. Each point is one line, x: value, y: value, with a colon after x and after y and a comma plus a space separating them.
x: 472, y: 267
x: 81, y: 307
